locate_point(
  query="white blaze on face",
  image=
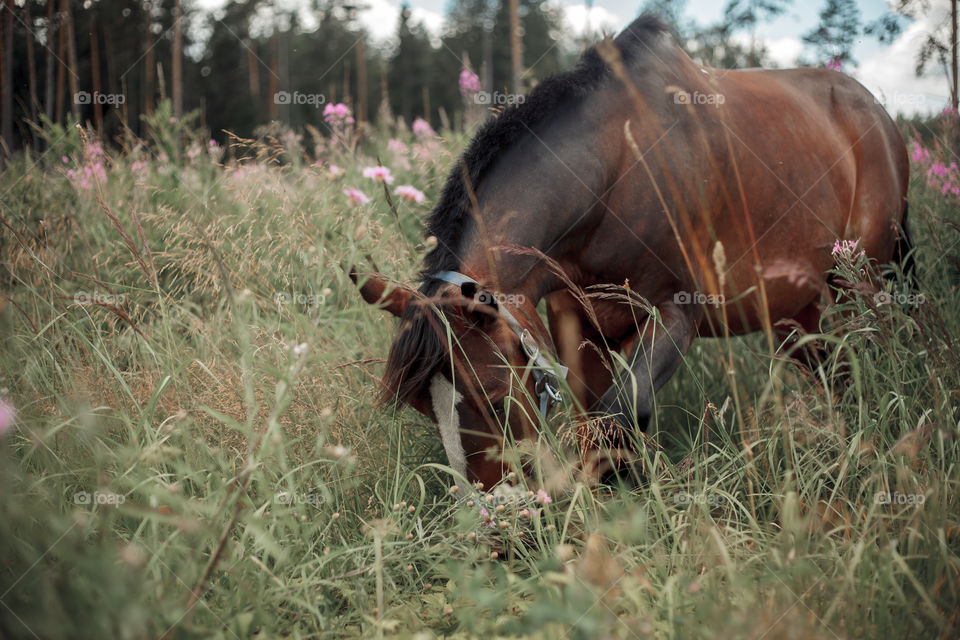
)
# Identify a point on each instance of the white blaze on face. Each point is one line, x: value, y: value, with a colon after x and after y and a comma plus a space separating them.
x: 445, y: 400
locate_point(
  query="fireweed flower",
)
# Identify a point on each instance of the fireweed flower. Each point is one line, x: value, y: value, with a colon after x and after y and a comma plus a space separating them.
x: 380, y: 174
x: 397, y: 146
x: 337, y: 114
x: 919, y: 154
x: 410, y: 194
x: 422, y: 129
x: 469, y: 83
x: 356, y: 196
x: 847, y: 250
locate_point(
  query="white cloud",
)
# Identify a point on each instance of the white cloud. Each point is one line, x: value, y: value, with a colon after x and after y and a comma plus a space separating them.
x: 784, y: 51
x: 578, y: 20
x: 381, y: 17
x: 889, y: 73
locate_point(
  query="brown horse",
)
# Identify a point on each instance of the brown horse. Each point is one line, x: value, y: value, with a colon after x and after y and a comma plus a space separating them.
x: 715, y: 196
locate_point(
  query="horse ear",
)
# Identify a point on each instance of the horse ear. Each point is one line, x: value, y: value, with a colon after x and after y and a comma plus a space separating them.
x: 374, y: 291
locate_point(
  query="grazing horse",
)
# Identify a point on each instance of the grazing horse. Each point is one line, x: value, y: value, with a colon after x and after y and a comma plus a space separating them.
x: 714, y: 196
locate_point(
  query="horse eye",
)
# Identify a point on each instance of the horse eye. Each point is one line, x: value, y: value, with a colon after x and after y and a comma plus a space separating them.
x: 499, y: 407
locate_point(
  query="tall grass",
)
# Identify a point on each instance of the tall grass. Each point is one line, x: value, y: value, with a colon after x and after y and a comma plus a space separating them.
x: 197, y: 451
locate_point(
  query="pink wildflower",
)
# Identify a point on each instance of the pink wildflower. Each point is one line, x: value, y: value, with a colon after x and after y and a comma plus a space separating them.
x: 835, y: 64
x: 380, y: 174
x: 335, y: 172
x: 847, y: 250
x: 7, y: 417
x: 469, y: 83
x: 356, y: 196
x: 488, y: 519
x: 410, y: 194
x: 919, y: 153
x: 397, y: 146
x: 336, y: 114
x: 422, y: 128
x: 543, y: 497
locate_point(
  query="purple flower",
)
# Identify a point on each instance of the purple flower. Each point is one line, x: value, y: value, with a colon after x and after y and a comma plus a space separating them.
x: 380, y: 174
x: 422, y: 128
x: 337, y: 114
x: 356, y: 196
x: 849, y: 250
x: 469, y: 83
x: 919, y: 153
x: 410, y: 194
x: 397, y: 146
x: 835, y: 64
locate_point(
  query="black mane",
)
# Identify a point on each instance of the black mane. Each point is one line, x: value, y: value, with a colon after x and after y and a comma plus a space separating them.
x: 419, y: 350
x: 449, y: 219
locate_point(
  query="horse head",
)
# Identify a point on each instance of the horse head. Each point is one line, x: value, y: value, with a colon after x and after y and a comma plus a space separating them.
x: 470, y: 360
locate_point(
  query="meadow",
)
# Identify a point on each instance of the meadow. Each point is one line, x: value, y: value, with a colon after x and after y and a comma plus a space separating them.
x: 190, y: 444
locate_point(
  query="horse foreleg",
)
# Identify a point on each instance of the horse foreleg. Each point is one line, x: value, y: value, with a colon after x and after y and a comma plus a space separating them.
x: 578, y: 347
x: 655, y: 356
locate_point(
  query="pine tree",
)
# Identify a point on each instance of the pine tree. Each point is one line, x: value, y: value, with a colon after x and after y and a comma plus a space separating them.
x: 834, y: 37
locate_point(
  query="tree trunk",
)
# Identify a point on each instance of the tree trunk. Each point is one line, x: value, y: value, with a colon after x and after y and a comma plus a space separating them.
x: 361, y: 82
x: 516, y: 47
x: 61, y: 56
x: 953, y: 54
x: 283, y: 71
x: 253, y: 71
x: 95, y: 71
x: 274, y: 110
x: 150, y: 64
x: 31, y: 73
x: 49, y: 94
x: 6, y: 78
x: 177, y: 67
x: 72, y: 76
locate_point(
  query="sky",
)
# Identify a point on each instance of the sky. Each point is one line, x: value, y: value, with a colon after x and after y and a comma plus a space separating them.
x: 886, y: 70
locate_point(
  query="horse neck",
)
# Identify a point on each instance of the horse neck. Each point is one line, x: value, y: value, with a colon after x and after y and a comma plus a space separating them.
x: 540, y: 197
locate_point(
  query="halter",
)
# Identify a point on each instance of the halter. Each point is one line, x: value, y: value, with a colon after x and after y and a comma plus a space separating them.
x: 546, y: 383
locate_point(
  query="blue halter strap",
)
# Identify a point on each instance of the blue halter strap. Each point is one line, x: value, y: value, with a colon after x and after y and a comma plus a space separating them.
x: 546, y: 382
